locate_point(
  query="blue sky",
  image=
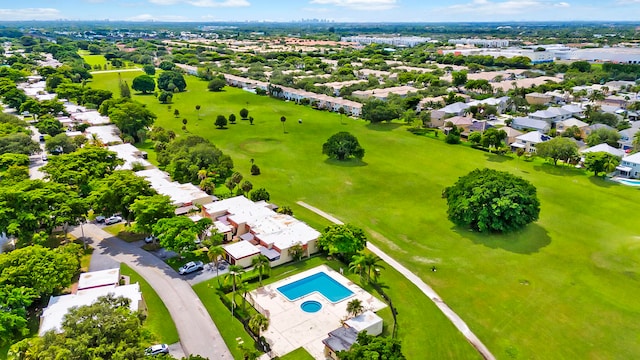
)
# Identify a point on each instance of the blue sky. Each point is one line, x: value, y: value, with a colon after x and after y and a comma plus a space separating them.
x: 337, y: 10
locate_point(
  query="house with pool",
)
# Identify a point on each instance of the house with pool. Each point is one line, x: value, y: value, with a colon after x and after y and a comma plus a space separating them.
x: 630, y: 166
x: 254, y: 228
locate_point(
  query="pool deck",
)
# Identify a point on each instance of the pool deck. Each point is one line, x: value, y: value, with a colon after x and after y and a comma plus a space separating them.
x: 291, y: 328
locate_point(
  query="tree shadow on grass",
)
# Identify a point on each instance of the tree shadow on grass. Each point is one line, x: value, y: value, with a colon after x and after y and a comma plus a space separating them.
x: 497, y: 158
x: 558, y: 170
x: 526, y: 241
x: 383, y: 126
x: 346, y: 163
x: 599, y: 181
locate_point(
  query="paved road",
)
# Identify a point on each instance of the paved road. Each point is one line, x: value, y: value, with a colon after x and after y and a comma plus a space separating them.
x: 198, y: 333
x: 36, y: 160
x: 426, y: 289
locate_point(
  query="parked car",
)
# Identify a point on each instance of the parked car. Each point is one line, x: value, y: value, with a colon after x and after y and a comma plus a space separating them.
x: 113, y: 220
x: 157, y: 350
x: 190, y: 267
x: 44, y: 157
x: 41, y: 137
x: 149, y: 239
x: 100, y: 219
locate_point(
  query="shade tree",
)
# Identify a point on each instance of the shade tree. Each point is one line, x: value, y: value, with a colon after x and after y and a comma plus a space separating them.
x: 492, y: 201
x: 601, y: 162
x: 343, y: 240
x: 559, y: 148
x: 117, y: 192
x: 343, y: 146
x: 144, y: 84
x: 148, y: 210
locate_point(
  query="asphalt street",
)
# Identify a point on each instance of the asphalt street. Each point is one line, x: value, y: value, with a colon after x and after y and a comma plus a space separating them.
x: 198, y: 334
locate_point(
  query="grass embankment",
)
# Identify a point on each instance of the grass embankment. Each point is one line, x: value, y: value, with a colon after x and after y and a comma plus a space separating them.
x: 158, y: 322
x: 297, y: 354
x: 563, y: 287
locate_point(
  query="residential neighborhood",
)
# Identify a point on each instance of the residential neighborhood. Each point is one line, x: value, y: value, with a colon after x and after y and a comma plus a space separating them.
x: 179, y: 186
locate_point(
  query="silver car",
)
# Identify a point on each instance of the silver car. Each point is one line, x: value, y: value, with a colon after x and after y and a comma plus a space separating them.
x: 190, y: 267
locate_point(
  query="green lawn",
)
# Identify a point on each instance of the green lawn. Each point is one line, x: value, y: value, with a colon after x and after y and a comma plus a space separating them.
x: 158, y: 322
x: 230, y: 328
x: 93, y: 59
x: 122, y: 231
x: 297, y: 354
x: 564, y: 287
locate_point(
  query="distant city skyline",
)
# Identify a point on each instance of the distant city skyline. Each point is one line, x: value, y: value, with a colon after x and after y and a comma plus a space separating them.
x: 334, y: 10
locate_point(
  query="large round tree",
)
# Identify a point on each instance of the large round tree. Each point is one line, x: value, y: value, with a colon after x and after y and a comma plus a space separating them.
x: 343, y: 146
x: 492, y: 201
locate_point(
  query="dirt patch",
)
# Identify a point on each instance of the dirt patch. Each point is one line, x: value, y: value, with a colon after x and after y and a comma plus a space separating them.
x: 390, y: 244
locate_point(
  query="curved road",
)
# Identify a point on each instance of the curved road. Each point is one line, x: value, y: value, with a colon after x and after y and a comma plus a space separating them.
x: 198, y: 333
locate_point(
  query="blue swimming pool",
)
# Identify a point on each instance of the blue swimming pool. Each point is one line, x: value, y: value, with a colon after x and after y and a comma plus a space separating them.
x: 320, y: 282
x: 630, y: 182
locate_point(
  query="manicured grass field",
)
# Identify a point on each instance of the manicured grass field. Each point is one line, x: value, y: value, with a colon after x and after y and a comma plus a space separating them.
x: 297, y: 354
x: 564, y: 287
x: 93, y: 59
x: 158, y: 322
x: 230, y: 328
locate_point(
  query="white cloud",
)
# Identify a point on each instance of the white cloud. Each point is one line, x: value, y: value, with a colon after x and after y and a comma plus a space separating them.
x: 509, y: 7
x: 562, y: 5
x: 149, y: 17
x: 204, y: 3
x: 30, y: 14
x: 359, y: 4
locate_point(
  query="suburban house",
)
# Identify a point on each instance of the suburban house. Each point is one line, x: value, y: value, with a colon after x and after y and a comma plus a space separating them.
x: 562, y: 126
x: 455, y: 109
x: 529, y: 141
x: 527, y: 123
x: 512, y: 134
x: 535, y: 98
x: 342, y: 338
x: 626, y: 137
x: 551, y: 115
x: 337, y: 86
x: 574, y: 109
x: 131, y: 156
x: 630, y: 166
x: 183, y: 196
x: 257, y: 229
x: 604, y: 148
x: 107, y: 134
x: 463, y: 123
x: 91, y: 286
x: 499, y: 103
x: 594, y: 127
x: 383, y: 94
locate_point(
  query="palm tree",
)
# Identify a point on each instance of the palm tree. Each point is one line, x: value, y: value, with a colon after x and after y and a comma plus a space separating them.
x: 261, y: 265
x: 372, y: 262
x: 198, y: 109
x: 215, y: 254
x: 354, y: 307
x: 341, y: 111
x: 235, y: 275
x: 258, y: 323
x: 283, y: 119
x: 357, y: 265
x: 242, y: 287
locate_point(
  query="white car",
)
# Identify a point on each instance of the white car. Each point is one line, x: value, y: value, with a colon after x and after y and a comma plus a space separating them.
x: 190, y: 267
x: 157, y: 350
x: 113, y: 220
x: 149, y: 239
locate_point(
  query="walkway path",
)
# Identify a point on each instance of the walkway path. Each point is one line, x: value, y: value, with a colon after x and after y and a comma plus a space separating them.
x: 426, y: 289
x: 198, y: 334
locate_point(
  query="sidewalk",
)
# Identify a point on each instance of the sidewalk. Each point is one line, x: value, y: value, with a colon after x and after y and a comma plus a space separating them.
x: 426, y: 289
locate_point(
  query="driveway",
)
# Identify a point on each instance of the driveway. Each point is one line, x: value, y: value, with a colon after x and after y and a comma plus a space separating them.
x: 36, y: 160
x: 198, y: 333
